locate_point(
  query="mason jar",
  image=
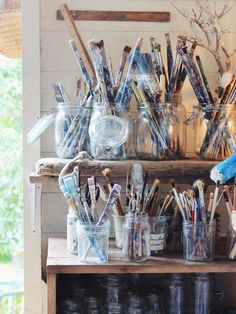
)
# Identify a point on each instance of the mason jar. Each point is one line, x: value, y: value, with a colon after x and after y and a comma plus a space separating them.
x: 110, y: 132
x: 159, y: 131
x: 201, y: 293
x: 71, y: 129
x: 136, y: 243
x: 215, y: 131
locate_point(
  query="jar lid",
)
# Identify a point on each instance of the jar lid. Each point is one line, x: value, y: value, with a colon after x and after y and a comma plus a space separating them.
x: 108, y: 131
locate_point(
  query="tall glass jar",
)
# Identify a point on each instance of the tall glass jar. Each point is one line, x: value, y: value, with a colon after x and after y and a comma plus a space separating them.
x: 175, y: 294
x: 110, y: 132
x: 204, y: 290
x: 159, y: 131
x: 71, y: 129
x: 136, y: 244
x: 215, y: 131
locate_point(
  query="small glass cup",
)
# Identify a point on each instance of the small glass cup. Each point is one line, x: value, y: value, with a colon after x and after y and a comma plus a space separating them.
x: 158, y: 235
x: 199, y: 241
x: 110, y: 132
x: 119, y: 222
x: 175, y: 294
x: 135, y: 304
x: 231, y: 240
x: 136, y: 243
x: 71, y: 129
x: 93, y: 242
x: 154, y: 304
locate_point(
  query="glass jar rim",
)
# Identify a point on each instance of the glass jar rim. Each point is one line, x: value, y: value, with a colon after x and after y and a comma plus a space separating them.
x: 111, y: 105
x: 156, y: 106
x: 70, y: 105
x: 199, y: 223
x: 206, y: 107
x: 157, y: 218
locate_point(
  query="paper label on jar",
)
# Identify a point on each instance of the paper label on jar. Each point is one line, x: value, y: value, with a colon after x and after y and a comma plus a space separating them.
x: 71, y: 235
x: 157, y: 242
x: 233, y: 219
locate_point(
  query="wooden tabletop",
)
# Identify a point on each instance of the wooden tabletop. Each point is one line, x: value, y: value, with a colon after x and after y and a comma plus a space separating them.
x: 60, y: 261
x: 184, y: 171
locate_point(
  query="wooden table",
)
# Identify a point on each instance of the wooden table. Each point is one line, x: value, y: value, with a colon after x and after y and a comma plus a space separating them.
x: 59, y: 261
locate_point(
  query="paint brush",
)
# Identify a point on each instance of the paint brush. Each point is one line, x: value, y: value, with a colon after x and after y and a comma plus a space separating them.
x: 234, y: 197
x: 92, y: 192
x: 205, y: 79
x: 122, y: 64
x: 216, y: 193
x: 107, y: 173
x: 169, y: 54
x: 227, y: 203
x: 177, y: 199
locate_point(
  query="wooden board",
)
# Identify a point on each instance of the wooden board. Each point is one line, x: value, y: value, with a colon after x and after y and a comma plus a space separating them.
x: 119, y: 16
x: 60, y: 261
x: 184, y: 171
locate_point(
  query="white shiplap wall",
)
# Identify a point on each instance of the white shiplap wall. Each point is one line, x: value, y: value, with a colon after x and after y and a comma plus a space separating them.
x: 58, y: 64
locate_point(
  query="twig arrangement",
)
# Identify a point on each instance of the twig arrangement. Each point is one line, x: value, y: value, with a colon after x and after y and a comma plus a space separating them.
x: 82, y: 200
x: 198, y: 219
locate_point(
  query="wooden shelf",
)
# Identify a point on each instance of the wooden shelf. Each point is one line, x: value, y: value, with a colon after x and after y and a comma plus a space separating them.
x: 60, y: 261
x: 184, y: 171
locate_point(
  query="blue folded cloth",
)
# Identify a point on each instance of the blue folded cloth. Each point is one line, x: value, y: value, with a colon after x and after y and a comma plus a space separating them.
x: 225, y: 170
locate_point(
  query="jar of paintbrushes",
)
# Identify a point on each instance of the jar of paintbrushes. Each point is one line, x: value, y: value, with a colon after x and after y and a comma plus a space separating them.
x: 199, y: 226
x: 71, y: 129
x: 215, y: 131
x: 158, y: 130
x: 110, y: 132
x: 136, y: 243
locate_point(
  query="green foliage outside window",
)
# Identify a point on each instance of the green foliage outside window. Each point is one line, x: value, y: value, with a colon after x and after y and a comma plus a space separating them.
x: 11, y: 185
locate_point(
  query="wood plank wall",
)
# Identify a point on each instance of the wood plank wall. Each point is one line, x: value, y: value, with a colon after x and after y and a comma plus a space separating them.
x: 58, y: 64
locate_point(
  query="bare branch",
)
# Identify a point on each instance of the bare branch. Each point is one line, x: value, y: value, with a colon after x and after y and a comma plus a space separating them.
x: 227, y: 8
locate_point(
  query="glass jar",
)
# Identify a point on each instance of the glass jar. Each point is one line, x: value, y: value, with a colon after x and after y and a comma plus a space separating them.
x: 175, y: 295
x: 114, y: 292
x: 158, y: 235
x: 154, y: 304
x: 231, y: 240
x: 174, y: 233
x: 68, y: 306
x: 72, y: 243
x: 93, y: 242
x: 135, y: 304
x: 203, y: 298
x: 92, y: 306
x: 215, y: 131
x: 136, y: 243
x: 110, y: 132
x: 199, y: 241
x: 71, y: 129
x: 159, y: 131
x: 119, y: 222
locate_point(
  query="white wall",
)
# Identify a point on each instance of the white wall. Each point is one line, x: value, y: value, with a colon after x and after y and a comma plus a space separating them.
x: 58, y: 64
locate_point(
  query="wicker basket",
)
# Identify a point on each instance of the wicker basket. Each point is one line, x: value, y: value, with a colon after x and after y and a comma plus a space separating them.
x: 10, y: 28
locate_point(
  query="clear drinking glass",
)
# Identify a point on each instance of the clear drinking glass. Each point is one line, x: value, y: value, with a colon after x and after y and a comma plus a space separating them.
x: 215, y: 131
x: 231, y: 240
x: 71, y: 129
x: 93, y: 242
x: 159, y: 132
x: 199, y: 241
x: 135, y: 304
x: 119, y: 222
x: 158, y: 235
x: 110, y: 132
x: 136, y: 243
